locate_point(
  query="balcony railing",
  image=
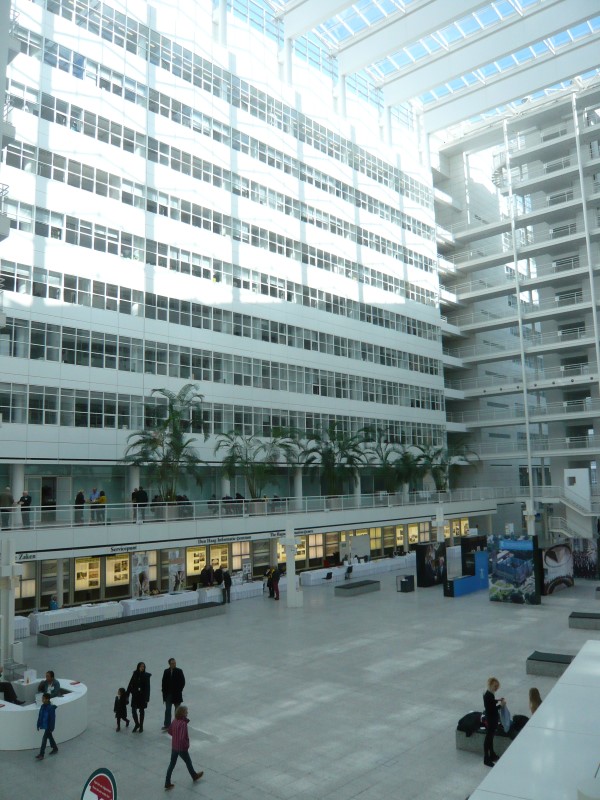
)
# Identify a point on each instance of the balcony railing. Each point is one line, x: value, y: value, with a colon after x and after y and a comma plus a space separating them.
x: 539, y: 445
x: 587, y: 406
x: 535, y: 340
x: 69, y: 516
x: 533, y: 376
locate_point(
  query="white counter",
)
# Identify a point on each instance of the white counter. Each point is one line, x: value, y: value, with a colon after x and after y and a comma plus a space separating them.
x: 22, y: 628
x: 317, y: 576
x: 18, y: 723
x: 159, y: 602
x: 557, y: 751
x: 76, y: 615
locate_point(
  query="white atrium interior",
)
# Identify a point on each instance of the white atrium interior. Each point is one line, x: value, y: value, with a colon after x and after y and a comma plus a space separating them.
x: 328, y: 218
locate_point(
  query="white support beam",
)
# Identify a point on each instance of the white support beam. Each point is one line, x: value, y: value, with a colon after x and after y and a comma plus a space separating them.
x: 517, y: 83
x: 391, y: 35
x: 300, y: 17
x: 514, y: 34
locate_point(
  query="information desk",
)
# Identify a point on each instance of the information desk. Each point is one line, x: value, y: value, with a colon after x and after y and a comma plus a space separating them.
x: 77, y: 615
x: 556, y: 753
x: 318, y: 576
x: 159, y: 602
x: 18, y: 723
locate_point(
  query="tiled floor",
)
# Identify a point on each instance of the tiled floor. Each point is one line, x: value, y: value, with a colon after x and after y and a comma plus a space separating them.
x: 344, y: 698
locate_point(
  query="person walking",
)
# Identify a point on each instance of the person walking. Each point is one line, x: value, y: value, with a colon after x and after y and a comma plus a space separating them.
x: 142, y: 503
x: 275, y: 581
x: 173, y: 683
x: 46, y: 722
x: 7, y: 502
x: 25, y: 503
x: 492, y: 717
x: 180, y: 746
x: 226, y: 586
x: 139, y: 691
x: 101, y: 507
x: 120, y: 708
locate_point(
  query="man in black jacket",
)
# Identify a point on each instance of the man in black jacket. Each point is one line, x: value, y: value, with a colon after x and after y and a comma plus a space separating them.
x: 173, y: 682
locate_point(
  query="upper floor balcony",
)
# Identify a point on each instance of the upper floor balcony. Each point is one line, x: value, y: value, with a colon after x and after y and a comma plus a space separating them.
x: 536, y: 343
x: 586, y: 446
x: 515, y: 415
x: 484, y: 320
x: 557, y: 377
x: 14, y: 46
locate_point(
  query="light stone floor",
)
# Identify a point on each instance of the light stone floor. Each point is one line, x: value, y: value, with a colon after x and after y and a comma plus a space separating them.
x: 344, y: 699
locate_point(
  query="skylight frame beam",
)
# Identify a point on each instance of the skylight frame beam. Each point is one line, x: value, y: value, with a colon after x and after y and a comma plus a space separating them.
x: 503, y: 39
x: 387, y: 37
x: 513, y: 85
x: 302, y: 16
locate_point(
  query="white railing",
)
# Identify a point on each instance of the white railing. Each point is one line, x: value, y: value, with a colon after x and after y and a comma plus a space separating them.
x: 587, y: 406
x: 540, y: 445
x: 69, y: 516
x: 536, y: 340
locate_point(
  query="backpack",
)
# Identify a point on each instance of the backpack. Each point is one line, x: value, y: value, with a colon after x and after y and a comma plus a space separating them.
x: 470, y: 723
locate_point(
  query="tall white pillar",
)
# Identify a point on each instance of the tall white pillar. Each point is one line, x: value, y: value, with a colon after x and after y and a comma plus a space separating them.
x: 298, y: 497
x: 10, y: 572
x: 60, y: 582
x: 17, y: 479
x: 225, y: 486
x: 295, y: 598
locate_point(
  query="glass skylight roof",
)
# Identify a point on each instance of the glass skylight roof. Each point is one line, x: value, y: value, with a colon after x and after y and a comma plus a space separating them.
x: 339, y: 32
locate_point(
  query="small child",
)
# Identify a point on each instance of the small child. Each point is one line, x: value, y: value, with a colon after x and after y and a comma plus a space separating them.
x: 46, y: 722
x: 120, y: 708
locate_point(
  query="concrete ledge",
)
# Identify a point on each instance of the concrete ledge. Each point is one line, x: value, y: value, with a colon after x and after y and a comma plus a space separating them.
x: 357, y: 587
x: 474, y: 742
x: 112, y: 627
x: 550, y: 664
x: 584, y: 619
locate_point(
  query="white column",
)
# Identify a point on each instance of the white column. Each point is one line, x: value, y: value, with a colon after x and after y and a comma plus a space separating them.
x: 17, y: 479
x: 298, y: 488
x: 9, y: 575
x: 60, y: 582
x: 295, y: 598
x: 530, y: 516
x: 225, y: 486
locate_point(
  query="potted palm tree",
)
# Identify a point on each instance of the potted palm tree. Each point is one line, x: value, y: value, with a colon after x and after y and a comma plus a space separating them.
x: 339, y: 457
x: 165, y: 449
x: 254, y: 459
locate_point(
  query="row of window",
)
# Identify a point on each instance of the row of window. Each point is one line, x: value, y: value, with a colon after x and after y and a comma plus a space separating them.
x: 47, y: 405
x: 161, y: 51
x: 78, y: 290
x: 82, y: 176
x: 107, y: 351
x: 105, y: 130
x: 51, y: 342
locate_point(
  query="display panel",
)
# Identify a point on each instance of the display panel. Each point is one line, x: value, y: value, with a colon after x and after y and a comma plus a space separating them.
x: 195, y: 561
x: 117, y: 570
x: 87, y: 574
x: 431, y: 564
x: 140, y: 574
x: 513, y: 574
x: 176, y: 562
x: 557, y: 562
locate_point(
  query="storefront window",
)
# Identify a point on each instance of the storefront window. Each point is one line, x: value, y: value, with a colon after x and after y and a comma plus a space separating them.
x: 315, y: 549
x: 260, y: 556
x: 117, y: 576
x: 300, y: 551
x: 332, y: 547
x: 48, y: 587
x: 195, y: 563
x: 375, y: 536
x: 240, y: 552
x: 25, y: 589
x: 219, y: 555
x: 413, y: 533
x: 87, y: 580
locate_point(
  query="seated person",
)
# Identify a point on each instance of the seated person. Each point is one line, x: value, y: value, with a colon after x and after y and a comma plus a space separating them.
x: 50, y: 686
x: 8, y: 690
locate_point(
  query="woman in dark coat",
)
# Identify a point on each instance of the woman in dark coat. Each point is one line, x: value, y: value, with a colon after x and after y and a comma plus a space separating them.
x: 139, y: 690
x: 492, y: 717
